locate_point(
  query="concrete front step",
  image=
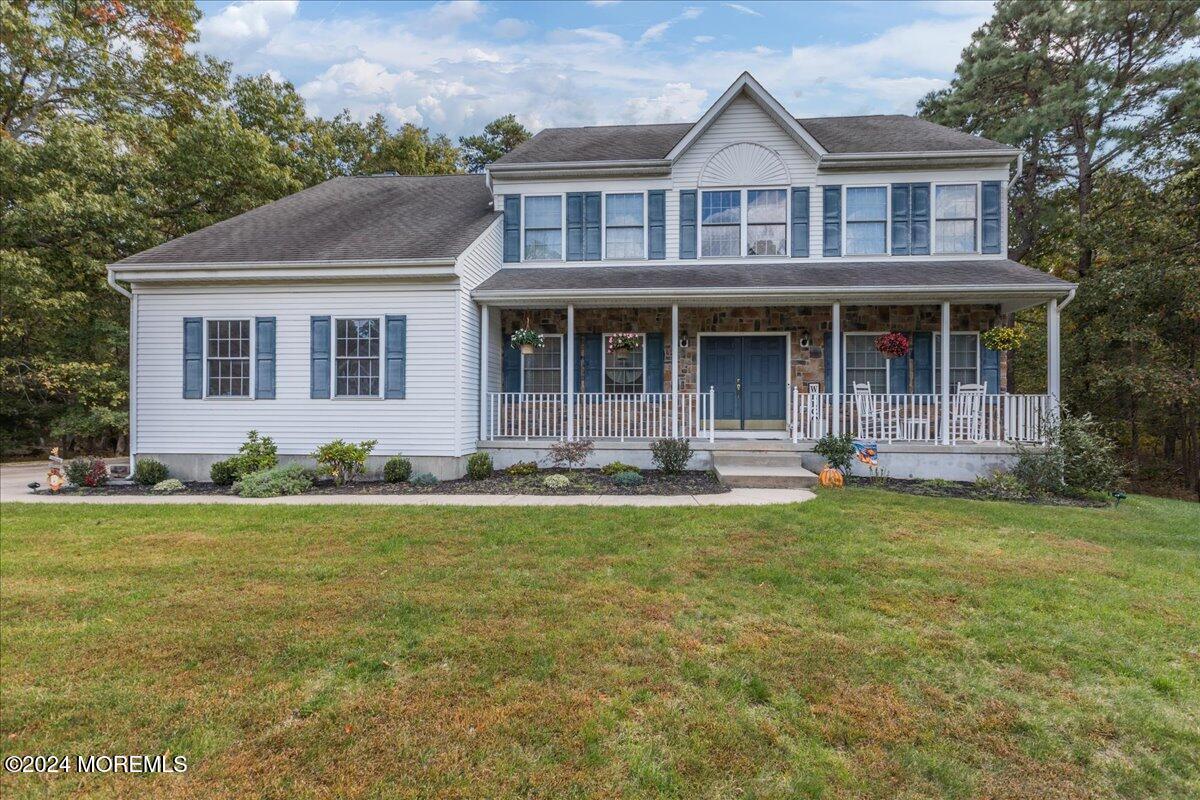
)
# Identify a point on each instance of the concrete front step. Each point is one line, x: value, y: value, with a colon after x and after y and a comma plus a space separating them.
x: 775, y: 473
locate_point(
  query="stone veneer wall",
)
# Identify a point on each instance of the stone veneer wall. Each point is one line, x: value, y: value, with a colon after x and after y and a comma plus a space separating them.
x: 808, y: 364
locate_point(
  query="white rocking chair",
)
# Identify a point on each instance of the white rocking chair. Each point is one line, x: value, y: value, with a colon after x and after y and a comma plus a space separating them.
x: 873, y: 421
x: 966, y: 412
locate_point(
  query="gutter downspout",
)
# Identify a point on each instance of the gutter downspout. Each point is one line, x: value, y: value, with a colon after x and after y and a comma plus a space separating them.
x: 1066, y: 302
x: 132, y: 445
x: 112, y: 281
x: 1020, y: 169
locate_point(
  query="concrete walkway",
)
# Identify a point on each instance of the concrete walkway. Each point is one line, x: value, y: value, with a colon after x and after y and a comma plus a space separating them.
x: 15, y: 477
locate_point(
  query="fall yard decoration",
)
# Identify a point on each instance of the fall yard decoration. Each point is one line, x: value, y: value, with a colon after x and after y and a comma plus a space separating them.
x: 892, y: 345
x: 831, y: 477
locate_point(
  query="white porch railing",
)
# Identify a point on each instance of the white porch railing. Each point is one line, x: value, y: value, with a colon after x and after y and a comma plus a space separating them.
x: 522, y: 415
x: 918, y: 417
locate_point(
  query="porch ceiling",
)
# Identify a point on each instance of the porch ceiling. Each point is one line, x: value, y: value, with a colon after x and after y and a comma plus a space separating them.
x: 981, y: 281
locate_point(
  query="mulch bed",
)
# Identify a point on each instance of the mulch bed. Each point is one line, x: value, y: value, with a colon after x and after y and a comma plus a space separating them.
x: 583, y: 482
x: 964, y: 491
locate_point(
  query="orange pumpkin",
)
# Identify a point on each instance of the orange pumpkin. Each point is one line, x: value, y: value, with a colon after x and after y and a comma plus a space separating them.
x: 831, y: 477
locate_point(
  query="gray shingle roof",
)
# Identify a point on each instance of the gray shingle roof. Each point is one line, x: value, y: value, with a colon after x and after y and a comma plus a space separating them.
x: 820, y: 275
x: 369, y: 218
x: 877, y: 133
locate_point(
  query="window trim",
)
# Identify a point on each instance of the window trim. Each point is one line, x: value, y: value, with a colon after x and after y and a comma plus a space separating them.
x: 700, y: 221
x: 562, y: 227
x: 253, y: 357
x: 604, y: 361
x: 645, y: 193
x: 933, y: 218
x: 933, y: 361
x: 887, y: 219
x: 887, y: 371
x: 562, y: 364
x: 333, y: 358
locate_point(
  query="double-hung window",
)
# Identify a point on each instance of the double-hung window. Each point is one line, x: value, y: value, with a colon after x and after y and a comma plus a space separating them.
x: 543, y: 228
x: 964, y: 360
x: 625, y: 226
x: 766, y: 222
x: 625, y: 369
x: 357, y: 354
x: 721, y: 223
x: 955, y: 218
x: 541, y: 370
x: 227, y: 357
x: 865, y: 364
x: 866, y: 220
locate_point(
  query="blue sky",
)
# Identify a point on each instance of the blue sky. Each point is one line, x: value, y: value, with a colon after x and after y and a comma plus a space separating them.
x: 454, y: 66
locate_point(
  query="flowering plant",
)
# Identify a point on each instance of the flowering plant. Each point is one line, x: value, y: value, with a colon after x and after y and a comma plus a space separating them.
x: 623, y: 341
x: 1003, y: 338
x: 892, y: 345
x: 524, y: 337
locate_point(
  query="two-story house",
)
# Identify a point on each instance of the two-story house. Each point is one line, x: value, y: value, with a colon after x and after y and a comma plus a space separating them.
x: 723, y: 280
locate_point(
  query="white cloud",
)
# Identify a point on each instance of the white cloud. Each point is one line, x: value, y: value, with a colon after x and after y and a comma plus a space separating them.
x: 703, y: 39
x: 447, y: 16
x: 602, y: 3
x: 247, y: 20
x: 741, y: 9
x: 678, y: 102
x: 512, y: 28
x: 656, y: 31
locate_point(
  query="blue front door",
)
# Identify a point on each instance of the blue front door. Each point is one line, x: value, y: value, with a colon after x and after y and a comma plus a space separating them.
x: 749, y: 378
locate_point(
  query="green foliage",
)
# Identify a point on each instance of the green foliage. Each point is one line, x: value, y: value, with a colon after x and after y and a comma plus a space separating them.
x: 276, y: 481
x: 479, y: 466
x: 1078, y: 457
x: 343, y: 460
x: 226, y: 472
x: 1004, y: 337
x: 556, y: 481
x: 167, y: 486
x: 397, y: 469
x: 671, y: 456
x: 90, y: 472
x: 149, y: 472
x: 524, y: 336
x: 628, y: 478
x: 523, y: 468
x: 1001, y: 485
x: 257, y: 453
x: 499, y: 136
x: 424, y: 479
x: 838, y: 451
x: 616, y: 467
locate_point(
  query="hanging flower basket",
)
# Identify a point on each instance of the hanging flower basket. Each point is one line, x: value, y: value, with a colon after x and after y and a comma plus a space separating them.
x: 623, y: 342
x: 892, y: 345
x: 527, y: 340
x: 1009, y: 338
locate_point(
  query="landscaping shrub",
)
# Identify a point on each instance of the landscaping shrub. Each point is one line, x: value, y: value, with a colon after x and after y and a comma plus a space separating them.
x: 671, y: 455
x: 397, y: 469
x: 90, y: 472
x: 424, y: 479
x: 1001, y: 486
x: 616, y: 468
x: 838, y: 451
x: 344, y: 460
x: 256, y: 454
x: 628, y: 479
x: 556, y: 481
x: 227, y: 472
x: 479, y: 466
x: 523, y: 468
x: 1077, y: 457
x: 149, y: 472
x: 288, y: 479
x: 169, y: 485
x: 571, y: 455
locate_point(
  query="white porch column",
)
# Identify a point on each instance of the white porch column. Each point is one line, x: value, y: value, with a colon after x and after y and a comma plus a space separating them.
x: 674, y: 370
x: 835, y: 388
x: 485, y: 329
x: 570, y: 372
x: 945, y: 376
x: 1053, y: 377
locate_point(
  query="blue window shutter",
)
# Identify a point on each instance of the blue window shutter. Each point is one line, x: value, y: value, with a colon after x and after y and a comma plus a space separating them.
x: 510, y: 367
x: 799, y: 222
x: 898, y: 374
x: 832, y: 215
x: 901, y: 219
x: 512, y: 227
x: 591, y: 226
x: 395, y: 356
x: 991, y: 216
x: 923, y: 363
x: 592, y: 362
x: 989, y: 368
x: 918, y: 236
x: 319, y: 361
x: 656, y: 216
x: 575, y: 226
x: 264, y: 358
x: 654, y: 363
x: 687, y: 223
x: 827, y: 353
x: 193, y: 358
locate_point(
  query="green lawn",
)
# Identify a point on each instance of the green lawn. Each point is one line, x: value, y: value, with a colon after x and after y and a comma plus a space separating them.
x: 864, y: 644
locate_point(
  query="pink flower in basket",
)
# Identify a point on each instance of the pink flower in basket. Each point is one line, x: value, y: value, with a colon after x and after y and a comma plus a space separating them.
x: 623, y: 341
x: 892, y: 345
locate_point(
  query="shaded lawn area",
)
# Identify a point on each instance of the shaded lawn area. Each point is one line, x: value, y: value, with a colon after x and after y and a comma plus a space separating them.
x: 864, y: 644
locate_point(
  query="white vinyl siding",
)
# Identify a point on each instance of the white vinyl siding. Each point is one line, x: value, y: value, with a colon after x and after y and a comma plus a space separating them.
x: 477, y: 263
